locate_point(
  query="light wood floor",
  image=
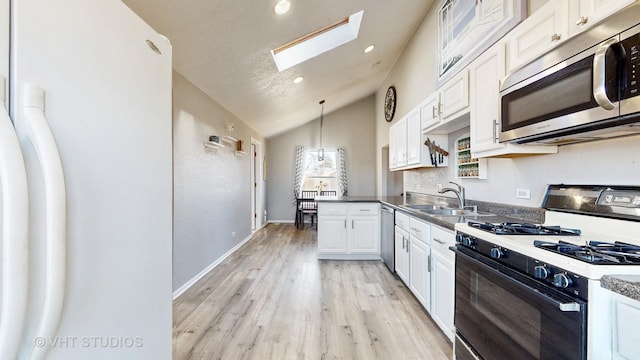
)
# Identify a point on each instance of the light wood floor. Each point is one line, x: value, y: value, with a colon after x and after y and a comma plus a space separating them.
x: 272, y: 299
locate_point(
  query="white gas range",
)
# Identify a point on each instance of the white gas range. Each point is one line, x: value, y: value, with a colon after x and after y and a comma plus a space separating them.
x: 546, y: 278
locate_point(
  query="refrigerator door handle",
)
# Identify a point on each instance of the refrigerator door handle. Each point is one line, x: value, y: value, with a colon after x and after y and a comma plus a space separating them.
x: 44, y: 144
x: 15, y: 249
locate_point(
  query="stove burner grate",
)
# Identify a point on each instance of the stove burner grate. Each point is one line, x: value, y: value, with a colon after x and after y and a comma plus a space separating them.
x: 510, y: 228
x: 596, y: 252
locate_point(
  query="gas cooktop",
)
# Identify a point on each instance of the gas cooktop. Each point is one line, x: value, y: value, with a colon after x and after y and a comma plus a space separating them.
x: 596, y: 252
x: 511, y: 228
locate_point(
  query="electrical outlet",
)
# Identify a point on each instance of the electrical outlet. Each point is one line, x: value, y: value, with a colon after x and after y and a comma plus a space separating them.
x: 523, y: 193
x: 233, y: 234
x: 439, y: 187
x: 418, y: 186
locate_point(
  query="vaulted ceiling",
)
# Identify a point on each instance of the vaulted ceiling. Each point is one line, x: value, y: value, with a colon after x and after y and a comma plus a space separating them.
x: 224, y: 48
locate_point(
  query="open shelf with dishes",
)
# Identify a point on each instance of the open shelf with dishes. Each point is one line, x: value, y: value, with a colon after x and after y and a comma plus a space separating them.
x: 468, y: 167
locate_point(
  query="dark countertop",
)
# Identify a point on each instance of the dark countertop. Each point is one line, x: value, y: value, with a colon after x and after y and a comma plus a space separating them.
x: 498, y: 212
x: 627, y: 285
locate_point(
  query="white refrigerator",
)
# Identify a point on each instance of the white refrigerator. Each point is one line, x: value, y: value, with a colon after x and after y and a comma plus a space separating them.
x: 86, y: 182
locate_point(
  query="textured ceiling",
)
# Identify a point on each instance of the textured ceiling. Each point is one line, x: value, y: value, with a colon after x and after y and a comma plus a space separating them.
x: 223, y: 47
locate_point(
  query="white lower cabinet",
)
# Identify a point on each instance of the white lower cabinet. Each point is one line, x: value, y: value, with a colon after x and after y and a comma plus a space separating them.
x: 443, y: 280
x: 348, y: 231
x: 402, y: 254
x: 626, y: 317
x: 419, y: 263
x: 427, y: 266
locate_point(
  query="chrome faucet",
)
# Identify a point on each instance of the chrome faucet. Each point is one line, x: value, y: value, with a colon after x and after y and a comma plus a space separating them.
x: 459, y: 192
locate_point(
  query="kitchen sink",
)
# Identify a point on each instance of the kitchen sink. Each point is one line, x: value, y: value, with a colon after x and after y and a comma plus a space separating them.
x: 443, y: 210
x: 452, y: 212
x: 426, y: 208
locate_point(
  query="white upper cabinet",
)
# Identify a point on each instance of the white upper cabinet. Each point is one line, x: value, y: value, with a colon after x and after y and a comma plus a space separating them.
x: 540, y: 32
x: 414, y: 137
x: 430, y: 111
x: 585, y: 13
x: 398, y: 144
x: 484, y: 77
x: 447, y: 107
x: 454, y: 95
x: 407, y: 149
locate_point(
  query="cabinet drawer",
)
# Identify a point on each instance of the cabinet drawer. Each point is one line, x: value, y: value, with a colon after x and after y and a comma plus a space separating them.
x: 356, y: 209
x: 419, y: 230
x: 402, y: 221
x: 442, y: 240
x: 329, y: 208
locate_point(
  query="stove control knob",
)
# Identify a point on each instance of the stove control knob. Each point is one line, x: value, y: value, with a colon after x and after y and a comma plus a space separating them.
x: 541, y: 272
x: 469, y: 241
x: 497, y: 253
x: 561, y: 280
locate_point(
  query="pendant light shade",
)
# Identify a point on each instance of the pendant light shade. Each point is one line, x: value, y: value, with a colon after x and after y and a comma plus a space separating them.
x: 321, y: 150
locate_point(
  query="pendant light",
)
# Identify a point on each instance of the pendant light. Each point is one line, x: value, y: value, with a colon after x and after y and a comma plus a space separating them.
x: 321, y: 150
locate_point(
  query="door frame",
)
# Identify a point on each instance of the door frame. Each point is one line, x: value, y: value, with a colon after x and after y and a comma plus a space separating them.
x: 256, y: 185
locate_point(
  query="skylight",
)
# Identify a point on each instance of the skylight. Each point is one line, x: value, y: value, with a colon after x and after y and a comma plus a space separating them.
x: 317, y: 42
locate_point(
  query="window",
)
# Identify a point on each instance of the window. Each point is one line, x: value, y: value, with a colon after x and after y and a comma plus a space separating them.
x: 320, y: 175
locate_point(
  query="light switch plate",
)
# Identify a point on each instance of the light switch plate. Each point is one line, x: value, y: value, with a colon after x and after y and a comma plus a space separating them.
x: 523, y: 193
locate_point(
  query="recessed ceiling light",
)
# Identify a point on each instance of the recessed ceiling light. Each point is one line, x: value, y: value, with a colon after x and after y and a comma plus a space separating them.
x: 369, y: 49
x: 282, y: 7
x: 317, y: 42
x: 298, y: 80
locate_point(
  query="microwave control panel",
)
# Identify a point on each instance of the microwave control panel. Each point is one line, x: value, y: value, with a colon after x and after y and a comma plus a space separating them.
x: 631, y: 47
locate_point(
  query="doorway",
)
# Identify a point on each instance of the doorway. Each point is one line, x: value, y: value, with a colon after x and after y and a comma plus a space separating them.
x: 256, y: 185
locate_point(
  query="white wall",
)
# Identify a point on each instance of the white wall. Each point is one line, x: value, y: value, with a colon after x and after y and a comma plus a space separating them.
x: 615, y: 161
x: 351, y: 126
x: 212, y: 190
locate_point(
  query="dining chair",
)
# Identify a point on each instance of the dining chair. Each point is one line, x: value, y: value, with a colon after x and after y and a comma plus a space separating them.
x: 306, y: 205
x: 328, y: 193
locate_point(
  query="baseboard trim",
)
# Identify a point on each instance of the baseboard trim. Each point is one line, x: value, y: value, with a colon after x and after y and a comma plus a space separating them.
x: 281, y: 221
x: 206, y: 270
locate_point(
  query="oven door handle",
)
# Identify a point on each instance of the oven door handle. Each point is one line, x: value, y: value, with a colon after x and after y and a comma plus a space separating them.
x: 599, y: 76
x: 514, y: 276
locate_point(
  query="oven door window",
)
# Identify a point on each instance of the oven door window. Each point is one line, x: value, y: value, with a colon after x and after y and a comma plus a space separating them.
x: 504, y: 318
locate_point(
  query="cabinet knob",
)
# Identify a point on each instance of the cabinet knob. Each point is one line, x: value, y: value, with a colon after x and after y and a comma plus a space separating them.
x: 555, y: 37
x: 582, y: 20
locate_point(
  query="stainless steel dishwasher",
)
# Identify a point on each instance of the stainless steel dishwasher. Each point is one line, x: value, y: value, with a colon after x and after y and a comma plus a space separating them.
x: 387, y: 238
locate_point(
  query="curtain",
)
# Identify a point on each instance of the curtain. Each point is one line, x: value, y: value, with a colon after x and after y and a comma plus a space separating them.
x: 300, y: 152
x: 342, y: 171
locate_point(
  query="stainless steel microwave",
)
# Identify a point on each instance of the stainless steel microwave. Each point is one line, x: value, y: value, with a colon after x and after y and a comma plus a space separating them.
x: 586, y: 89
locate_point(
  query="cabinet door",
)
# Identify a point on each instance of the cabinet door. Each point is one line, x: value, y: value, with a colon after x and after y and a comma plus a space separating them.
x: 414, y: 137
x: 419, y: 265
x: 332, y: 234
x: 364, y: 235
x: 454, y: 96
x: 430, y: 111
x: 626, y: 317
x: 484, y: 77
x: 540, y: 32
x: 442, y: 294
x: 584, y: 13
x: 393, y: 146
x: 401, y: 142
x: 402, y: 254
